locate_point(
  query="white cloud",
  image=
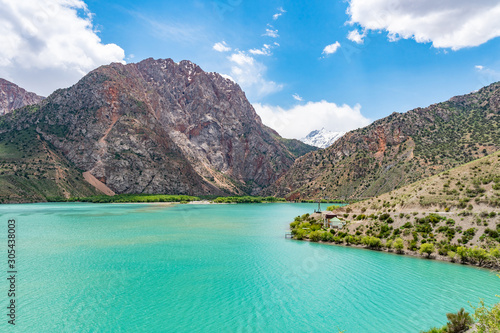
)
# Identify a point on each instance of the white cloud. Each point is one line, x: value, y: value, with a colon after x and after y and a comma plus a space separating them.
x: 265, y: 50
x: 279, y: 13
x: 300, y: 120
x: 451, y: 24
x: 271, y: 33
x: 262, y: 51
x: 356, y: 37
x: 487, y: 75
x: 249, y: 74
x: 297, y: 97
x: 221, y: 47
x: 50, y: 44
x: 332, y: 48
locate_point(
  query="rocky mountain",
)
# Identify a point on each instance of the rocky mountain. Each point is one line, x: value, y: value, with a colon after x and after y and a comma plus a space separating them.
x: 322, y: 138
x: 158, y: 127
x: 14, y: 97
x: 399, y: 149
x: 32, y: 170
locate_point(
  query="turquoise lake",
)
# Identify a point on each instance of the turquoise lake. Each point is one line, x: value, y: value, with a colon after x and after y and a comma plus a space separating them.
x: 216, y: 268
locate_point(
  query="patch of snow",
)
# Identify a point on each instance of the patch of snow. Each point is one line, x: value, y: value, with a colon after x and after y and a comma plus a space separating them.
x: 322, y: 138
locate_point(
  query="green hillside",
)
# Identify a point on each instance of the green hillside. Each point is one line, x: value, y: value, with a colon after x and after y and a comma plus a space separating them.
x: 32, y: 171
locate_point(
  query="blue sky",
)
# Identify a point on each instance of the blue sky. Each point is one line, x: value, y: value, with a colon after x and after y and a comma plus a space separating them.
x: 295, y: 60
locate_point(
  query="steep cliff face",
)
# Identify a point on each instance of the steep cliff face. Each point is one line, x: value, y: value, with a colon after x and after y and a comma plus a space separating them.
x: 14, y: 97
x: 399, y: 149
x: 160, y: 127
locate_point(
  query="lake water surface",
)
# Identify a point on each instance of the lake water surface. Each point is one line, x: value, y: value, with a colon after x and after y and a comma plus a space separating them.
x: 216, y: 268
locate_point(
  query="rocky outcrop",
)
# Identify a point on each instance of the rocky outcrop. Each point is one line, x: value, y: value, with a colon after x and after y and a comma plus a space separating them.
x: 399, y: 149
x: 14, y: 97
x: 161, y: 127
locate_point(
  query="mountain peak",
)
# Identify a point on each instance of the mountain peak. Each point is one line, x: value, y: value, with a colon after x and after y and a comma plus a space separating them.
x: 322, y: 138
x: 399, y: 149
x: 14, y: 97
x: 158, y: 126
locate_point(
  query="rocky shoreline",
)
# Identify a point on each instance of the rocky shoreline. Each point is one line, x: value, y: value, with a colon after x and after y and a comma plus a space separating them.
x: 435, y: 256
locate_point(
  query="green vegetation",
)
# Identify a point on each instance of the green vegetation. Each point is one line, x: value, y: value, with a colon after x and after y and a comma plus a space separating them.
x: 487, y: 320
x: 431, y: 235
x: 126, y: 198
x: 129, y: 198
x: 427, y: 248
x: 248, y: 199
x: 32, y: 171
x: 296, y: 147
x: 451, y: 216
x: 457, y: 323
x: 333, y: 201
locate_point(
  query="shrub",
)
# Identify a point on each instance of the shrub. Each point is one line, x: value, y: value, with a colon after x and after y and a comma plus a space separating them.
x: 350, y: 240
x: 453, y: 256
x: 488, y: 319
x: 399, y: 245
x: 478, y: 255
x: 383, y: 217
x: 299, y: 234
x: 371, y: 242
x: 495, y: 253
x: 304, y: 225
x: 315, y: 236
x: 407, y: 225
x: 315, y: 227
x: 459, y: 322
x: 427, y: 248
x: 462, y: 253
x: 413, y: 245
x: 443, y: 329
x: 337, y: 239
x: 491, y: 233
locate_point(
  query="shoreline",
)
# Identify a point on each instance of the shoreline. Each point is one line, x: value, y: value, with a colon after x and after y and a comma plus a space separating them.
x: 196, y: 202
x: 415, y: 254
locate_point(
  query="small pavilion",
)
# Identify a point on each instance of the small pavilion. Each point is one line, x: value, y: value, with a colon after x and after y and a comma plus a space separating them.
x: 330, y: 220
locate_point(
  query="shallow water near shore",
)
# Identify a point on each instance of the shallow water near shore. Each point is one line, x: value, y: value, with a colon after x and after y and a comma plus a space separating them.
x: 217, y: 268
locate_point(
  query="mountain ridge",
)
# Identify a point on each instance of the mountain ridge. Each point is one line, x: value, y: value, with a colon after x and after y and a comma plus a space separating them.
x: 159, y: 126
x: 398, y: 149
x: 14, y: 97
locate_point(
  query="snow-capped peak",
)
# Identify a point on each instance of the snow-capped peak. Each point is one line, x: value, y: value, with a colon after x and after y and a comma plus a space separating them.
x: 322, y: 138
